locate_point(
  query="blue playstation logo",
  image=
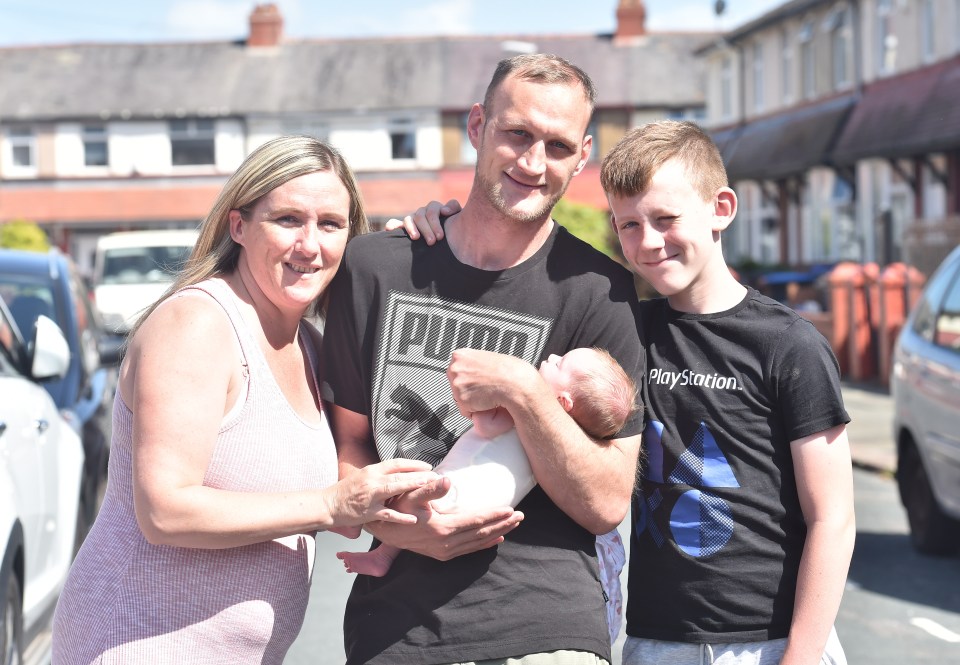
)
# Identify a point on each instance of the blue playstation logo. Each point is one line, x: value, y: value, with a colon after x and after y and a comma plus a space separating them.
x: 701, y: 523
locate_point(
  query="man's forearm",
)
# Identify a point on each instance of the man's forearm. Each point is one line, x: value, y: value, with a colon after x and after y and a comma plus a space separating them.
x: 591, y: 481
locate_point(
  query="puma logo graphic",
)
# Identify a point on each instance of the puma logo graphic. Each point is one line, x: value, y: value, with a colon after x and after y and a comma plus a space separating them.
x: 412, y: 408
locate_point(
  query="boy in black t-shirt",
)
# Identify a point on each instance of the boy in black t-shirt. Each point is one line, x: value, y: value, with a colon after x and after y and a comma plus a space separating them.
x: 743, y: 528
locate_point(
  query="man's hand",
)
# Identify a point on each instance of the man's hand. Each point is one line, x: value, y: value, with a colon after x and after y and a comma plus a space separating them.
x: 483, y: 380
x: 441, y: 536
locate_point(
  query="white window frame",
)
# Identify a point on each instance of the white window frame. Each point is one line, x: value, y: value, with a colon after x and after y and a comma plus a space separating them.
x: 756, y: 57
x: 928, y: 29
x: 195, y: 130
x: 808, y: 69
x: 19, y: 138
x: 726, y: 88
x: 838, y: 26
x: 956, y: 26
x: 786, y: 67
x: 886, y: 44
x: 95, y: 133
x: 403, y: 131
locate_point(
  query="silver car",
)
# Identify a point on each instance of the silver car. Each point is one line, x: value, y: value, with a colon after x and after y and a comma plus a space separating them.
x: 925, y: 385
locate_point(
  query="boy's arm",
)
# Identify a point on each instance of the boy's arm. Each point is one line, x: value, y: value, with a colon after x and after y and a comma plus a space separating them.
x: 825, y: 486
x: 591, y: 481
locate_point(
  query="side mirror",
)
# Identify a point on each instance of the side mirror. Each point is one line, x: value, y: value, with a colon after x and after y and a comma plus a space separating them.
x: 50, y: 353
x: 111, y: 348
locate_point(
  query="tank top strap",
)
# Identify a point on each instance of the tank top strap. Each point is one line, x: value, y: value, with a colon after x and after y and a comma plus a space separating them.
x: 313, y: 358
x: 227, y: 299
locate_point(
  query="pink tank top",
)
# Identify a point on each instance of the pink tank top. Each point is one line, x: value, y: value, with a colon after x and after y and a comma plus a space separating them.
x: 127, y: 601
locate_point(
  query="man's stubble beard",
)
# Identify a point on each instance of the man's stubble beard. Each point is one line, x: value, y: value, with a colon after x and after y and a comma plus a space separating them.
x: 492, y: 191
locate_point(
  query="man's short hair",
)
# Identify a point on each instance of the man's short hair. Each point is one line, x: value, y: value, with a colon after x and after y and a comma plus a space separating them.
x: 630, y: 165
x: 604, y: 397
x: 540, y: 68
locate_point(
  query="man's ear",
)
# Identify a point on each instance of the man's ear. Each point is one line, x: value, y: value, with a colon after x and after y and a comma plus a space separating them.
x: 236, y: 226
x: 585, y: 148
x: 724, y: 208
x: 566, y: 400
x: 475, y: 122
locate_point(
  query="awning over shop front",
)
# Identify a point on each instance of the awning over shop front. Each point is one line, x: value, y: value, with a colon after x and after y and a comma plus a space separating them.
x: 901, y: 116
x: 785, y: 144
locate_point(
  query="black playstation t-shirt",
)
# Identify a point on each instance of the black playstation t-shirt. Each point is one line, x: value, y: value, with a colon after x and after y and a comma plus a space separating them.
x: 397, y: 311
x: 717, y: 527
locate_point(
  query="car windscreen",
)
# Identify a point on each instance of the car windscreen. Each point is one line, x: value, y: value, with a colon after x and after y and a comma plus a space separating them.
x: 27, y: 299
x: 143, y: 265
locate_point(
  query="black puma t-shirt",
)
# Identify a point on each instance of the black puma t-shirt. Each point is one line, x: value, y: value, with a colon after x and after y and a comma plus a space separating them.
x: 398, y: 309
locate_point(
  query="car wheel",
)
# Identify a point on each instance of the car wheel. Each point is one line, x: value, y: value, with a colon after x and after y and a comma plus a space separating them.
x: 11, y: 624
x: 931, y: 530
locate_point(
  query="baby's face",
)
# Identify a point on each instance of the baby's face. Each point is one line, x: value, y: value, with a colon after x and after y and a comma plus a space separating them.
x: 560, y: 371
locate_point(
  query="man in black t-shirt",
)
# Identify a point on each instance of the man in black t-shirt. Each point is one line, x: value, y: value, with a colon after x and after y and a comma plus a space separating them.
x: 418, y: 337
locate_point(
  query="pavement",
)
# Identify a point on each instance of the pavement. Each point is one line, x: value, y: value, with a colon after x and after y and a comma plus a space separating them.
x: 871, y: 427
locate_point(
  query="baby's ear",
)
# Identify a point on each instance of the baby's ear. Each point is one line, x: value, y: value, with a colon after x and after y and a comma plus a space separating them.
x: 566, y: 400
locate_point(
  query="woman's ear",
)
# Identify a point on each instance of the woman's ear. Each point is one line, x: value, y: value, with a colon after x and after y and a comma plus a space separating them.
x: 236, y: 226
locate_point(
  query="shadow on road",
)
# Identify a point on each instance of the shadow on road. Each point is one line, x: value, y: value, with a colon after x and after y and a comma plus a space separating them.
x: 887, y: 564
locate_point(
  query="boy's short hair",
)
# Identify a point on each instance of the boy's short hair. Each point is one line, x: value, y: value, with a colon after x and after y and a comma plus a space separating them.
x: 629, y: 166
x: 604, y: 396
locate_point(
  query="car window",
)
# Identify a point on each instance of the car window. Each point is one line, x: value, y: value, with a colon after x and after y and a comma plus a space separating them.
x: 139, y: 265
x: 924, y: 322
x: 27, y: 299
x: 10, y: 349
x: 947, y: 331
x: 87, y: 326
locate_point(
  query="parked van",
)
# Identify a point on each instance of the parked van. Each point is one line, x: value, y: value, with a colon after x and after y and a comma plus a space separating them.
x: 132, y: 269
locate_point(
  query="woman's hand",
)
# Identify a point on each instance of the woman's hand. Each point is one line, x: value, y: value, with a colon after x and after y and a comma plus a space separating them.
x: 425, y: 221
x: 363, y: 496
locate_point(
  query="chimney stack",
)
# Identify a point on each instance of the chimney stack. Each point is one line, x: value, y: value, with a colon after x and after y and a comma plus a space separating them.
x: 631, y: 19
x: 266, y: 25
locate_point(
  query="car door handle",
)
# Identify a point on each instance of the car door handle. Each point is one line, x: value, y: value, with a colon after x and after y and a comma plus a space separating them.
x: 42, y: 425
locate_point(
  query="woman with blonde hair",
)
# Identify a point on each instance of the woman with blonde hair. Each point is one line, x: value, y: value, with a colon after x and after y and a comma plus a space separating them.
x: 222, y: 466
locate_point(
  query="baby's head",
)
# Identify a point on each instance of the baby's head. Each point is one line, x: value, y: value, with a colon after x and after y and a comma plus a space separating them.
x: 593, y: 388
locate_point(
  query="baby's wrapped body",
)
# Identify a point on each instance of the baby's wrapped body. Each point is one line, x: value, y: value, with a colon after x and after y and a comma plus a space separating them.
x: 484, y: 473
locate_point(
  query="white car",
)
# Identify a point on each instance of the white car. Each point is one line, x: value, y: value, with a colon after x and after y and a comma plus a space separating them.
x: 132, y: 269
x: 925, y: 385
x: 41, y: 467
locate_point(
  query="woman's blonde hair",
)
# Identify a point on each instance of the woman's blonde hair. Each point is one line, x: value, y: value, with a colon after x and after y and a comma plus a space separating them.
x: 273, y: 164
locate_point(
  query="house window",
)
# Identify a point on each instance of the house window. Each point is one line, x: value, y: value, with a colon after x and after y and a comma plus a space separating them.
x: 838, y: 24
x: 886, y: 40
x: 786, y: 64
x: 956, y: 25
x: 95, y: 147
x: 403, y: 140
x: 23, y: 147
x: 726, y: 88
x: 192, y: 142
x: 807, y: 64
x: 927, y: 40
x: 758, y: 77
